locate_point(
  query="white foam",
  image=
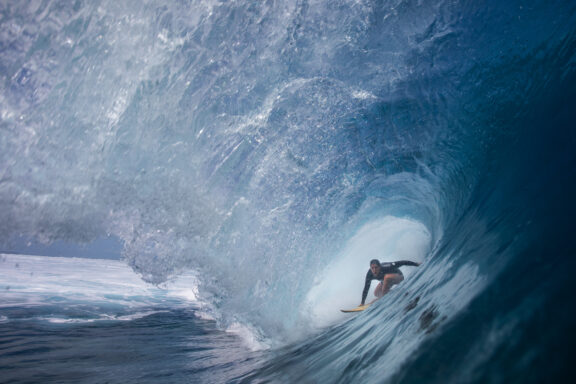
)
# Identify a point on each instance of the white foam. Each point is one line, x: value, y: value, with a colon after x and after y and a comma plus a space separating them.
x: 37, y: 280
x: 204, y: 315
x: 363, y: 95
x: 249, y: 335
x: 103, y: 317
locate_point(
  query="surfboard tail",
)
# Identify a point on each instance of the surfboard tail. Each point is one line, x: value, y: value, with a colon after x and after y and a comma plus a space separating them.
x: 357, y: 309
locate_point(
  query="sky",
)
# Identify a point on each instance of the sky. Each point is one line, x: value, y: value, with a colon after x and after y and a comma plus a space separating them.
x: 102, y: 248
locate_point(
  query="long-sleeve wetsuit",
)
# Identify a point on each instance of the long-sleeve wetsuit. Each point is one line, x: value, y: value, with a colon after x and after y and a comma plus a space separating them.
x: 385, y: 268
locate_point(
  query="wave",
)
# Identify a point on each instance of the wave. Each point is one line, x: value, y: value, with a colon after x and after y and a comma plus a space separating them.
x: 274, y: 149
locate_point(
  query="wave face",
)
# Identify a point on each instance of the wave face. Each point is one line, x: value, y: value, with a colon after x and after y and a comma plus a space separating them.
x: 275, y: 148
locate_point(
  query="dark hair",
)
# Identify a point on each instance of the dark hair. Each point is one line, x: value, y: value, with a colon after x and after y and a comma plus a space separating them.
x: 374, y: 261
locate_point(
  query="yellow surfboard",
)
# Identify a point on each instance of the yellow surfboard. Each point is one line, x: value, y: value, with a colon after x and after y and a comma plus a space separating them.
x: 357, y: 309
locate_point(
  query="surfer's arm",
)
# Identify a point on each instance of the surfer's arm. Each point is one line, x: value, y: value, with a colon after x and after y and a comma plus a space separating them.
x: 366, y: 287
x: 406, y: 263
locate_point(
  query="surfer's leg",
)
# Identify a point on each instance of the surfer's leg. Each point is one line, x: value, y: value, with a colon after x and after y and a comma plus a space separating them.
x: 389, y: 280
x: 378, y: 291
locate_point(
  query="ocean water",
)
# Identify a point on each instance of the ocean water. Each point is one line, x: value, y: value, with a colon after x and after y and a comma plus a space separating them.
x: 252, y: 157
x: 70, y: 320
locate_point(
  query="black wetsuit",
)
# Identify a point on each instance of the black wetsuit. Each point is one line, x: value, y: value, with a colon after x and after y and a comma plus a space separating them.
x: 385, y: 268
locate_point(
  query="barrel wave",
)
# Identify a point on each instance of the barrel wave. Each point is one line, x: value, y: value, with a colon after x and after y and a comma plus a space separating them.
x: 273, y: 148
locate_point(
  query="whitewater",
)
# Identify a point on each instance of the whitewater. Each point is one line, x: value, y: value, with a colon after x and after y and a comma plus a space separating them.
x: 249, y: 158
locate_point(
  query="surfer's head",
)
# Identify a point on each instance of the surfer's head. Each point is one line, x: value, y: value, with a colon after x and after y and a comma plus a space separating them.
x: 375, y: 266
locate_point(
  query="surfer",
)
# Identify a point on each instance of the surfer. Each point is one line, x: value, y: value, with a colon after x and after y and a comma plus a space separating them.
x: 389, y: 274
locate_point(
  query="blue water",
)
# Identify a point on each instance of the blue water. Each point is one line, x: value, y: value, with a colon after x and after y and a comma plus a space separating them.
x: 69, y: 320
x: 272, y: 149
